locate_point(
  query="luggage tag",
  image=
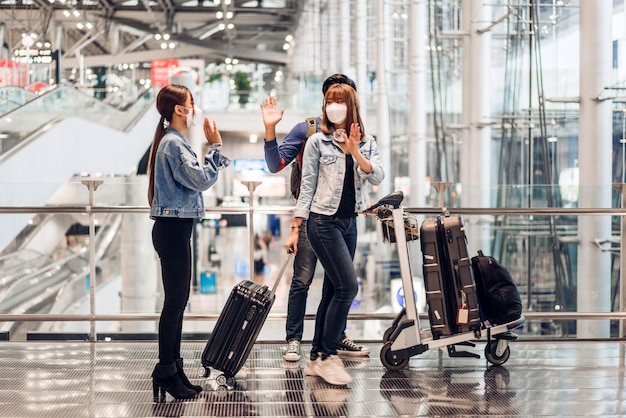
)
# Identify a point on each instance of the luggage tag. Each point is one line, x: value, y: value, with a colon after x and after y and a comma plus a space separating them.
x: 462, y: 314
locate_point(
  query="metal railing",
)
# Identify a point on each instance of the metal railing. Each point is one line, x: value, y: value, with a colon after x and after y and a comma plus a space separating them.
x: 91, y: 210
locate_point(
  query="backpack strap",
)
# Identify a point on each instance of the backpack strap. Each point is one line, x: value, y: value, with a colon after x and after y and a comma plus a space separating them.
x: 311, y: 128
x: 311, y: 124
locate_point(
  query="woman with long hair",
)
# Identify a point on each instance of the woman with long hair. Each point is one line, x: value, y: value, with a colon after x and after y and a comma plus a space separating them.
x: 337, y: 165
x: 176, y: 182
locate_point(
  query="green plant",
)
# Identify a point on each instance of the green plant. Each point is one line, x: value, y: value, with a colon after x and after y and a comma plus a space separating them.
x: 242, y: 81
x: 214, y: 77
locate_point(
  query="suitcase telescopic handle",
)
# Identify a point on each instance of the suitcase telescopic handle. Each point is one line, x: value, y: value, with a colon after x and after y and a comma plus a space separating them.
x: 281, y: 272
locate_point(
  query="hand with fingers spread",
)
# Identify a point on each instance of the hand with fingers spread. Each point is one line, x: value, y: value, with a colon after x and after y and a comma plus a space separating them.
x: 211, y: 133
x: 352, y: 141
x: 271, y: 117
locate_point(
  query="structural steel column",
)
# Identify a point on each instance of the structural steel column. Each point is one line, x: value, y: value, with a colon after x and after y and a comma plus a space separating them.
x: 332, y: 34
x: 344, y: 25
x: 594, y: 155
x: 382, y: 94
x: 2, y: 30
x: 418, y: 67
x: 362, y: 82
x: 475, y: 151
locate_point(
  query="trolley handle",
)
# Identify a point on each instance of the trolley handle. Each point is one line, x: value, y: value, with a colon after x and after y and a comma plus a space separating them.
x: 281, y: 271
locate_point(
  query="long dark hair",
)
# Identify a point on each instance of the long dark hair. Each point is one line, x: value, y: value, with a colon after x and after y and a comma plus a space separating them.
x: 169, y: 96
x: 349, y: 96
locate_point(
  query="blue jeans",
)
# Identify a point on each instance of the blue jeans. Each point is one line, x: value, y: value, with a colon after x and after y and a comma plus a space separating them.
x: 303, y: 270
x: 334, y: 242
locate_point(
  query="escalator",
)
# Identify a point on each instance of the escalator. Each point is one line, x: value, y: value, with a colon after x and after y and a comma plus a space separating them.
x: 47, y: 143
x: 55, y: 283
x: 12, y: 97
x: 63, y: 133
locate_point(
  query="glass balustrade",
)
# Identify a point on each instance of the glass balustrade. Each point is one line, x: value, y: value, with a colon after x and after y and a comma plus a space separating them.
x: 37, y: 115
x: 47, y: 269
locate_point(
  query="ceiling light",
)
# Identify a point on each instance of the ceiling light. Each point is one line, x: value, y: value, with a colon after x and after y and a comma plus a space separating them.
x: 230, y: 26
x: 229, y: 15
x: 219, y: 14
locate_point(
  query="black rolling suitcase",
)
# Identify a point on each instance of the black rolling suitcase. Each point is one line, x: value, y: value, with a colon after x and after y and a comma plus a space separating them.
x: 450, y: 290
x: 238, y: 326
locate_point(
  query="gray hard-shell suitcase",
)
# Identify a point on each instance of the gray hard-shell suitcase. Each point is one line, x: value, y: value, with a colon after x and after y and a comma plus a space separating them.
x: 239, y: 325
x: 448, y: 281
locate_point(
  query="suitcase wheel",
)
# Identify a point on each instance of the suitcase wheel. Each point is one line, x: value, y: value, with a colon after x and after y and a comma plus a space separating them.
x: 204, y: 372
x: 223, y: 380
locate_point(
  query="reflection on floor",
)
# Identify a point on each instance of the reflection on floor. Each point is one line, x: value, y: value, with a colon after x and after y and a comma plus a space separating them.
x: 111, y: 379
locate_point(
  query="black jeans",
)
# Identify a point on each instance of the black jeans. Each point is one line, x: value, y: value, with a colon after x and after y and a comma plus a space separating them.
x: 171, y: 238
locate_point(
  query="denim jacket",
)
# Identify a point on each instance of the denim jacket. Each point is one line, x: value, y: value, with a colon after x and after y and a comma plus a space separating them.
x: 179, y: 178
x: 323, y: 171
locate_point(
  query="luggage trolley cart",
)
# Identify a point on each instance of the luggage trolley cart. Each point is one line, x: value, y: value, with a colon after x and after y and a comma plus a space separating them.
x: 404, y: 339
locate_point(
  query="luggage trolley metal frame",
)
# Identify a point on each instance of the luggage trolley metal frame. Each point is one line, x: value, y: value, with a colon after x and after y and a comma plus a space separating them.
x: 405, y: 339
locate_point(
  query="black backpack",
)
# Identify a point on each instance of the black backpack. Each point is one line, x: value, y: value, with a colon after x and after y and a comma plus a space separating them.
x: 296, y: 166
x: 498, y: 296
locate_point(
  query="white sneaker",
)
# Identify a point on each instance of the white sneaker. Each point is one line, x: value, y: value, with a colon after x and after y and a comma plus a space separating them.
x: 311, y: 366
x: 349, y: 348
x: 332, y: 371
x: 293, y: 351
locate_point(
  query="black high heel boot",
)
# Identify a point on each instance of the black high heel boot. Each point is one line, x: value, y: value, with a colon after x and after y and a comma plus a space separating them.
x: 183, y: 377
x: 165, y: 377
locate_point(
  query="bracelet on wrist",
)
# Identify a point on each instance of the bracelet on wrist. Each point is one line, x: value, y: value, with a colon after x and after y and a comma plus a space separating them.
x: 295, y: 226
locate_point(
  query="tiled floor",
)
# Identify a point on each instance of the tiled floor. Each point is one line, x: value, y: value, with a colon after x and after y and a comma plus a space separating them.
x: 112, y: 379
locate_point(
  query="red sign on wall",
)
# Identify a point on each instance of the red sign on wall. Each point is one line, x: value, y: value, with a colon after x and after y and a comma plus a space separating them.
x: 13, y: 73
x: 161, y: 70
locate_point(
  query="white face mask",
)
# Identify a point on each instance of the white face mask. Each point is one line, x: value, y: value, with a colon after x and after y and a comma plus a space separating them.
x: 336, y: 112
x: 194, y: 116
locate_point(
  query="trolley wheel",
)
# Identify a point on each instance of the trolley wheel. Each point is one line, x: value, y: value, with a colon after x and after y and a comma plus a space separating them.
x: 492, y: 357
x: 204, y: 372
x: 388, y: 333
x: 222, y: 380
x: 388, y: 360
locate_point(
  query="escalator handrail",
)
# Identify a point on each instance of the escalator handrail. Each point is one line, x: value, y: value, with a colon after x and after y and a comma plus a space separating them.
x: 55, y: 121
